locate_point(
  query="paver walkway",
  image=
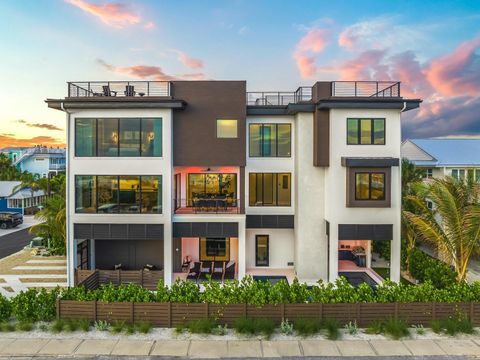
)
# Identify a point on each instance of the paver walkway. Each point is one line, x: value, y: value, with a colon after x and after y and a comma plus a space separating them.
x: 237, y: 348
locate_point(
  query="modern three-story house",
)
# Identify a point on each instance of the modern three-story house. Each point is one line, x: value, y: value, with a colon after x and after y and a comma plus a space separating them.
x: 176, y: 175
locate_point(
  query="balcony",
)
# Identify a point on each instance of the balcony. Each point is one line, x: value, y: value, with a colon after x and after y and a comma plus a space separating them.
x: 207, y: 206
x: 118, y: 89
x: 377, y: 89
x: 277, y: 98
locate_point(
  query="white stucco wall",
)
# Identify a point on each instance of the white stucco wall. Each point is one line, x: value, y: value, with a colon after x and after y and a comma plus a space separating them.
x: 122, y: 166
x: 311, y: 261
x: 280, y: 247
x: 336, y: 211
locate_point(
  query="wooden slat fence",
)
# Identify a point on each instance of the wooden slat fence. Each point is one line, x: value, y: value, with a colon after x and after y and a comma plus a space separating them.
x: 94, y: 278
x: 172, y: 314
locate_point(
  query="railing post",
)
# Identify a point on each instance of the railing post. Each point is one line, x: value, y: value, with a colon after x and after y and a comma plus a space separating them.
x: 355, y: 89
x: 376, y: 92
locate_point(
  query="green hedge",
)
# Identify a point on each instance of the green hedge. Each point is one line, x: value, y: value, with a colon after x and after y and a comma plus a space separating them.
x: 425, y: 268
x: 39, y: 305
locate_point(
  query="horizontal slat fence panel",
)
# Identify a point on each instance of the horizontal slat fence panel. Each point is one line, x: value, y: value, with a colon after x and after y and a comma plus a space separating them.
x: 172, y: 314
x: 91, y: 279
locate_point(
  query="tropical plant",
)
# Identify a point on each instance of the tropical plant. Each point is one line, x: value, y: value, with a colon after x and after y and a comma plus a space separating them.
x: 8, y: 172
x: 454, y: 225
x: 286, y: 327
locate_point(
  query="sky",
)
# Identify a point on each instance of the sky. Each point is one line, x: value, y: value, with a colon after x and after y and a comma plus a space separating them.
x: 431, y: 46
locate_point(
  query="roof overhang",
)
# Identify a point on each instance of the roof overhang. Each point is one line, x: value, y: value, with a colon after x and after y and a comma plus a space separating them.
x: 290, y: 109
x: 368, y: 103
x: 370, y: 162
x: 115, y: 103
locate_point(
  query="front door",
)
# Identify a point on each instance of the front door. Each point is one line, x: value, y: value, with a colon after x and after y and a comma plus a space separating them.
x: 177, y: 254
x: 261, y: 250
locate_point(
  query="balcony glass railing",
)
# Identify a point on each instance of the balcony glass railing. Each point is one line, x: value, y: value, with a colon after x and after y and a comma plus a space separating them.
x: 207, y: 206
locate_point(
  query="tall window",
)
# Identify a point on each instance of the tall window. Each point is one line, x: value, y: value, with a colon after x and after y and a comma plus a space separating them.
x: 269, y: 189
x: 369, y: 186
x: 366, y: 131
x: 118, y: 194
x: 270, y: 140
x: 125, y: 137
x: 227, y: 129
x: 85, y: 137
x: 261, y: 250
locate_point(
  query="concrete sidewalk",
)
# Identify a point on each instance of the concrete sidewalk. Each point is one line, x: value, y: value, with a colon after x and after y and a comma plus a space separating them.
x: 11, y: 347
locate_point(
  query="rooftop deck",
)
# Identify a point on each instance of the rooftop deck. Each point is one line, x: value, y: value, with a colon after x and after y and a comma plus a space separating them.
x: 113, y: 89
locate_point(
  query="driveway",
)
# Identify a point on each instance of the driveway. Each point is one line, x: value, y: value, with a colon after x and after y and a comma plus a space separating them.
x: 28, y: 221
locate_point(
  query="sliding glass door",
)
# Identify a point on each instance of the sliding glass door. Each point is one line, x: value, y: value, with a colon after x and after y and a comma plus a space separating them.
x: 211, y: 186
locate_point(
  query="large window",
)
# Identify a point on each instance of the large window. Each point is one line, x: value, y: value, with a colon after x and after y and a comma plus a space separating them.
x: 125, y: 137
x: 217, y: 186
x: 269, y: 189
x: 366, y: 131
x: 118, y: 194
x: 227, y: 129
x: 270, y: 140
x: 470, y: 174
x: 214, y: 249
x: 369, y: 186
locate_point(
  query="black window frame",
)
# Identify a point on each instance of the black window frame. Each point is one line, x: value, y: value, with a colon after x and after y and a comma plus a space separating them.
x: 118, y: 195
x: 370, y: 173
x: 372, y: 131
x: 216, y: 239
x: 276, y: 141
x: 141, y: 153
x: 256, y: 250
x: 263, y: 188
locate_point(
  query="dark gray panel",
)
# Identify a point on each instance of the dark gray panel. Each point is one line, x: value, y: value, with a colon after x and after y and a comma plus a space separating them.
x: 182, y: 229
x: 119, y: 231
x: 101, y: 231
x: 155, y: 232
x: 286, y: 221
x: 136, y: 231
x: 199, y: 229
x: 214, y: 229
x: 370, y: 162
x: 269, y: 222
x: 230, y: 229
x: 82, y: 231
x: 254, y: 222
x: 132, y: 254
x: 365, y: 232
x: 383, y: 232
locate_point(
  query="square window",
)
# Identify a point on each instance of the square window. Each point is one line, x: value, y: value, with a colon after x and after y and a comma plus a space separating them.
x: 227, y: 129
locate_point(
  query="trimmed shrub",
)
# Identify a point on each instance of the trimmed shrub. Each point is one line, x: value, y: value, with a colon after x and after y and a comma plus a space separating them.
x: 35, y: 305
x: 5, y: 308
x: 425, y: 268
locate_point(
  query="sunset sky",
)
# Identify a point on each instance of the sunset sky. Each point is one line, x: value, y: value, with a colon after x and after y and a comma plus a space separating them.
x: 433, y: 47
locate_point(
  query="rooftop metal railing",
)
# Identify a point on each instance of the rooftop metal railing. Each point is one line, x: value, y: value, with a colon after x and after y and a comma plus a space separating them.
x: 366, y: 88
x: 279, y: 98
x: 118, y: 88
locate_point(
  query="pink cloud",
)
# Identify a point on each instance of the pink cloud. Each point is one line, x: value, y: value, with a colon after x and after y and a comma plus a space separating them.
x: 457, y: 73
x: 188, y: 61
x: 347, y: 38
x: 112, y: 14
x: 148, y: 72
x: 312, y: 43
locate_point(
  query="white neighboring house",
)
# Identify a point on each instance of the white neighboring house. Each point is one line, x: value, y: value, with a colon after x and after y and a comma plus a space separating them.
x: 444, y: 157
x: 270, y: 184
x: 19, y: 200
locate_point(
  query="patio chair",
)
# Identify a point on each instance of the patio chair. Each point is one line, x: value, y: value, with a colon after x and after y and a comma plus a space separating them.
x: 194, y: 272
x: 229, y: 273
x: 218, y: 270
x: 206, y: 269
x: 130, y: 90
x: 107, y: 91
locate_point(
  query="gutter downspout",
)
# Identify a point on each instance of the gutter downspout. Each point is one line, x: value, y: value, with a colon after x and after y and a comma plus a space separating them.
x: 404, y: 106
x: 69, y: 249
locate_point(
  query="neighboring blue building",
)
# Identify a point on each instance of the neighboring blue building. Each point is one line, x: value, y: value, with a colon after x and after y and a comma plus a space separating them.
x: 19, y: 200
x: 445, y: 157
x: 40, y: 160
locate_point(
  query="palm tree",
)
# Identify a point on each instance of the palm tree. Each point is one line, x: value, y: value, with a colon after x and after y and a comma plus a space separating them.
x: 54, y: 225
x: 8, y: 171
x: 454, y: 225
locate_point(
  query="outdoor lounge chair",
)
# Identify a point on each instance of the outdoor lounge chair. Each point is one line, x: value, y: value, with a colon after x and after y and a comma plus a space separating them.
x: 130, y: 90
x: 194, y: 272
x: 218, y: 270
x: 229, y: 273
x: 206, y: 269
x: 107, y: 91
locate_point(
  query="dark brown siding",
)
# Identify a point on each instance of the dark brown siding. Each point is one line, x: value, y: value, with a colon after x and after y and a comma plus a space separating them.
x: 194, y: 128
x: 321, y: 138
